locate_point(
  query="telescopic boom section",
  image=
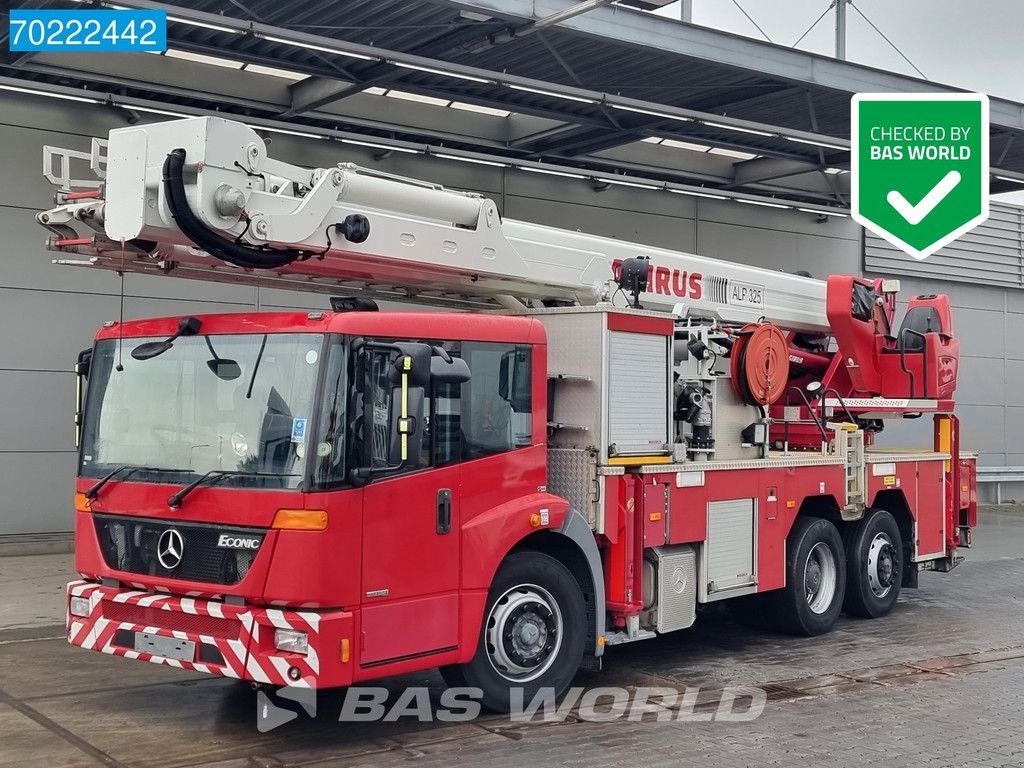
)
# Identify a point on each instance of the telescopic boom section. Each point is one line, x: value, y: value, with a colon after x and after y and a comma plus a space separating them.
x: 199, y: 198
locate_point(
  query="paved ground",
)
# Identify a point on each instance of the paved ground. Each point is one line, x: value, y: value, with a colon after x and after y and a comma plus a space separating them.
x: 940, y: 682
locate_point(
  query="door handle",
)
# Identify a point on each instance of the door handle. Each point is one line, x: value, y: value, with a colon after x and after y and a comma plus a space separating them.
x: 444, y: 510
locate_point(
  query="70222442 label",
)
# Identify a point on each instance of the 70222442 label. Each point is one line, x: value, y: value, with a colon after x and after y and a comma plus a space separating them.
x: 87, y: 30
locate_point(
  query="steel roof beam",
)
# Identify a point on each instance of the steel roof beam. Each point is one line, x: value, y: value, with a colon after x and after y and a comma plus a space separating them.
x: 315, y: 92
x: 656, y: 176
x: 769, y: 169
x: 538, y: 24
x: 622, y: 25
x: 358, y: 117
x: 460, y: 70
x: 709, y: 168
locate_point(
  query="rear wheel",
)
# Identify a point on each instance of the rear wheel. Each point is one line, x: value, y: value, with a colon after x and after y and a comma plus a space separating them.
x: 815, y: 579
x: 874, y: 556
x: 532, y: 635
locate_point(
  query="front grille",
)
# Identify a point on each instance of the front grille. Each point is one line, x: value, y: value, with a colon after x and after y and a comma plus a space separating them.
x: 130, y: 544
x: 193, y: 624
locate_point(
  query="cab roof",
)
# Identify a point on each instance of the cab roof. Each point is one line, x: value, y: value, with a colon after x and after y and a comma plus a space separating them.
x: 463, y: 326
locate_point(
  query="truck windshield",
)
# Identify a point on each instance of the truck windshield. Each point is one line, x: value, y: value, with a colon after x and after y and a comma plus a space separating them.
x: 235, y: 402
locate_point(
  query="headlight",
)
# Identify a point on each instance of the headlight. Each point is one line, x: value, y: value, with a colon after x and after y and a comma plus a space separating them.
x: 291, y: 641
x: 79, y: 606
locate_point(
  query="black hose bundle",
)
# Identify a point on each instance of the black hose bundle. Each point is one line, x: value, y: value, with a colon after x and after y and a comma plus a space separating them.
x: 209, y: 241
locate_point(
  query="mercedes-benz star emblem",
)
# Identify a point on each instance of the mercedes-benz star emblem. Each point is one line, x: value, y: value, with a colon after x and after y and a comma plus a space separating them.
x: 170, y: 548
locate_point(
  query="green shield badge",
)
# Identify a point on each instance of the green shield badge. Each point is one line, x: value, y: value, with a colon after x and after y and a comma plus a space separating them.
x: 919, y: 165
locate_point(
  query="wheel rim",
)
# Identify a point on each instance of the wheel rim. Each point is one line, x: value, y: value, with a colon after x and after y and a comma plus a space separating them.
x: 882, y: 565
x: 820, y: 578
x: 523, y: 633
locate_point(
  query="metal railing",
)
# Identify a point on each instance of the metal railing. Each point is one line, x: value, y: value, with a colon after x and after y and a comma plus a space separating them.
x: 998, y: 476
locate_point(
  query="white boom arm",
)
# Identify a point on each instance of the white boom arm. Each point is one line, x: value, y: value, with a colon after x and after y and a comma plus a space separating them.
x: 425, y: 243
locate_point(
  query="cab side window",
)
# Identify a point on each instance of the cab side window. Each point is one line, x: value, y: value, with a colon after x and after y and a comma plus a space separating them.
x: 489, y: 414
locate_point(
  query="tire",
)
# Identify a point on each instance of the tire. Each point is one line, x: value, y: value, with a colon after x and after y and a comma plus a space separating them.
x: 874, y: 565
x: 812, y: 599
x: 532, y: 635
x: 453, y: 676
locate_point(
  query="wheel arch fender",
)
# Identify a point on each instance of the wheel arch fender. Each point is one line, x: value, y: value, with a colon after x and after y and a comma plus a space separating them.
x: 567, y: 538
x: 894, y: 501
x: 574, y: 545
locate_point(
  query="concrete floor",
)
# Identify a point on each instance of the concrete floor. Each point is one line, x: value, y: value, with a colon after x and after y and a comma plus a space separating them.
x: 940, y: 682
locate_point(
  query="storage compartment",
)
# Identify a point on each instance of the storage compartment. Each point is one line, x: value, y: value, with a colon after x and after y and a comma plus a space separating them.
x: 728, y: 562
x: 610, y: 374
x: 637, y: 382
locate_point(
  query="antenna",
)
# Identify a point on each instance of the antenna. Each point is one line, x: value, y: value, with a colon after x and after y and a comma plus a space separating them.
x: 120, y: 320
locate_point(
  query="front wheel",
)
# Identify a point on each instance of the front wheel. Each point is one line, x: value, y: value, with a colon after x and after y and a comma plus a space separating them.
x: 532, y: 636
x: 874, y: 557
x: 815, y: 579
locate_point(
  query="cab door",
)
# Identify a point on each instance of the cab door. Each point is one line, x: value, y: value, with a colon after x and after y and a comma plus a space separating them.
x: 411, y: 534
x: 410, y: 565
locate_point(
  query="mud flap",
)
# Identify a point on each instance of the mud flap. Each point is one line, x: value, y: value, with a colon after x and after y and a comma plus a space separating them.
x: 910, y: 573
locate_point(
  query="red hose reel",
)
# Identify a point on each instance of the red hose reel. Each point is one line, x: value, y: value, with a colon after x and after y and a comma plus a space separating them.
x: 760, y: 364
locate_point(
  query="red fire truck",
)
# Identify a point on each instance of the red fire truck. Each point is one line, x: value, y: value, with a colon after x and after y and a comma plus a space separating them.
x: 614, y: 437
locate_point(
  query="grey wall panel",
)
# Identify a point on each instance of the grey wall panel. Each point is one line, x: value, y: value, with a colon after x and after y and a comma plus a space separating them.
x: 983, y: 429
x: 38, y: 491
x: 1014, y: 385
x: 27, y: 323
x: 906, y: 433
x: 979, y: 331
x: 655, y: 229
x: 41, y: 412
x: 1014, y: 423
x: 1013, y: 332
x: 28, y: 319
x: 982, y: 381
x: 273, y: 299
x: 820, y: 255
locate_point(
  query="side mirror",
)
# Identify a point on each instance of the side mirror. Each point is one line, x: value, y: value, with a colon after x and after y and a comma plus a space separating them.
x: 454, y: 371
x: 405, y: 436
x: 187, y: 326
x: 84, y: 363
x: 412, y: 361
x: 514, y: 380
x: 224, y: 369
x: 151, y: 349
x: 82, y: 366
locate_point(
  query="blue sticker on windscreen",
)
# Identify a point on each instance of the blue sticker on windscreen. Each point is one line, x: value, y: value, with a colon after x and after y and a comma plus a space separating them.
x: 298, y: 430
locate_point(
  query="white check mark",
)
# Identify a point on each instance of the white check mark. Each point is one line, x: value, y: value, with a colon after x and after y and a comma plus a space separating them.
x: 916, y: 213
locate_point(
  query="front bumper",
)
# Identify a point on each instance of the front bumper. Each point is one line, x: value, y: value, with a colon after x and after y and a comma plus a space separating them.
x: 229, y: 640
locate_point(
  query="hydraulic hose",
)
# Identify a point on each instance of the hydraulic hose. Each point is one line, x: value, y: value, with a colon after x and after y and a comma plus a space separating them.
x: 221, y: 247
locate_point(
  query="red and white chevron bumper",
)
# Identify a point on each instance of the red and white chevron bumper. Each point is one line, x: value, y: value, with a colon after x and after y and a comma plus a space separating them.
x: 214, y: 637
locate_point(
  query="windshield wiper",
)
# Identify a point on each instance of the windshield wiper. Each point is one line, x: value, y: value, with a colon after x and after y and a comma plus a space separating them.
x: 93, y: 492
x: 213, y: 477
